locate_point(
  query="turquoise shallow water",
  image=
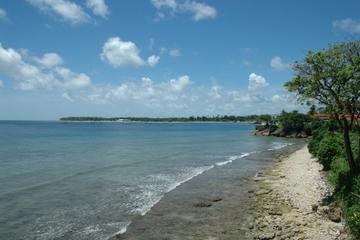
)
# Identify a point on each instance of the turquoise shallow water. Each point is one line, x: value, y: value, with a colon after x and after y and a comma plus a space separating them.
x: 88, y: 180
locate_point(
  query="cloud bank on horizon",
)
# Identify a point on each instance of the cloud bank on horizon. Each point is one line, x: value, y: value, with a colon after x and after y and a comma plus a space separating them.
x: 150, y: 66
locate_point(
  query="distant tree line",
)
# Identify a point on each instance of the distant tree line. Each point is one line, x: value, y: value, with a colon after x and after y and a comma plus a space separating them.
x: 217, y: 118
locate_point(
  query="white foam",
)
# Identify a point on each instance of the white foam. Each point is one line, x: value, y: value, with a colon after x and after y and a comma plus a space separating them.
x: 232, y: 158
x: 122, y: 229
x: 278, y: 145
x: 100, y: 231
x: 91, y: 229
x: 159, y: 184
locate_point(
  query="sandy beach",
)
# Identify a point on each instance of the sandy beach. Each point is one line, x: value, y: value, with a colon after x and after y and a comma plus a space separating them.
x: 291, y: 202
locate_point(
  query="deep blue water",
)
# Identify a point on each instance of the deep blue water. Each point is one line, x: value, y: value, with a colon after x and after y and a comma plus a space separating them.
x: 88, y: 180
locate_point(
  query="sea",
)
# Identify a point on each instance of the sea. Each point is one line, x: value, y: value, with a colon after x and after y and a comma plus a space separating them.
x: 89, y: 180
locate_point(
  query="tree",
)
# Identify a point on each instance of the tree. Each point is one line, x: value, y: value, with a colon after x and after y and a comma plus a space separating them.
x: 266, y: 118
x: 331, y: 78
x: 292, y: 121
x: 312, y: 110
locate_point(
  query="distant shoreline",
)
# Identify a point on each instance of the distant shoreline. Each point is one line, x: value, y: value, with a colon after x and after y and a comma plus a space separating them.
x: 152, y: 122
x: 252, y: 119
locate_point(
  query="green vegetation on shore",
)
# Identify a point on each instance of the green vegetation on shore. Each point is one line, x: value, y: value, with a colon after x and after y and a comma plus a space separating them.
x: 327, y: 145
x: 287, y: 124
x: 331, y: 79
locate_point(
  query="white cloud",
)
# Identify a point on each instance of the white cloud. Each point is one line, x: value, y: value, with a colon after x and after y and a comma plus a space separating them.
x: 278, y: 64
x: 257, y: 83
x: 71, y: 80
x: 1, y: 84
x: 163, y: 50
x: 164, y: 4
x: 215, y: 92
x: 146, y: 92
x: 348, y: 25
x: 151, y: 44
x: 68, y: 97
x: 29, y: 76
x: 246, y: 63
x: 26, y: 75
x: 67, y: 10
x: 171, y: 52
x: 174, y: 53
x: 182, y: 97
x: 284, y: 100
x: 177, y: 85
x: 119, y: 53
x: 277, y: 98
x: 153, y: 60
x: 199, y: 11
x: 237, y: 96
x: 247, y: 50
x: 3, y: 15
x: 98, y: 7
x: 50, y: 60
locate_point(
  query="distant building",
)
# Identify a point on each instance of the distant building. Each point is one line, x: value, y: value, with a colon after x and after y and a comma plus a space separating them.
x: 327, y: 116
x: 321, y: 116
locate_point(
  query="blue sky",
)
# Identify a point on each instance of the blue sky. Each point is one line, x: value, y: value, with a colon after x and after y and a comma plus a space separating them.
x: 159, y: 57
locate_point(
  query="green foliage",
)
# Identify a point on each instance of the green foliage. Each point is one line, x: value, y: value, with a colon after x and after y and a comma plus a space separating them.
x: 329, y: 77
x: 356, y: 185
x: 329, y: 148
x: 313, y: 146
x: 265, y: 118
x: 338, y: 169
x: 312, y: 110
x: 293, y: 121
x: 353, y: 220
x: 319, y: 129
x: 273, y: 128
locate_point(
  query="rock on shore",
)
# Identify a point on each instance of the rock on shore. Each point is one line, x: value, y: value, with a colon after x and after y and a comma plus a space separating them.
x: 290, y: 202
x: 279, y: 133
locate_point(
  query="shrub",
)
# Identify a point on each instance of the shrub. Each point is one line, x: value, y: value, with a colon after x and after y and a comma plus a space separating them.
x: 313, y: 146
x: 355, y: 190
x: 356, y: 185
x: 273, y: 128
x: 329, y: 148
x: 260, y: 127
x: 293, y: 121
x: 353, y: 220
x: 319, y: 129
x: 338, y: 169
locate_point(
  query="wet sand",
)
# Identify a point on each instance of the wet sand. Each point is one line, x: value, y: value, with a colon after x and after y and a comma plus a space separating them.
x: 218, y: 204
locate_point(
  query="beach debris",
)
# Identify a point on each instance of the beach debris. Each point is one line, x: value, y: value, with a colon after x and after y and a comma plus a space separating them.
x: 202, y: 204
x: 215, y: 199
x: 263, y: 192
x: 314, y: 207
x: 334, y: 213
x: 266, y: 236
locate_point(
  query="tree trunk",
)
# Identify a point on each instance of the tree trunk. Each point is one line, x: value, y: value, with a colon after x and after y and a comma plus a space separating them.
x: 347, y: 144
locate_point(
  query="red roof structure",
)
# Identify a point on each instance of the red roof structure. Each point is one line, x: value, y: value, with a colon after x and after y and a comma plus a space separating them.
x: 327, y: 116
